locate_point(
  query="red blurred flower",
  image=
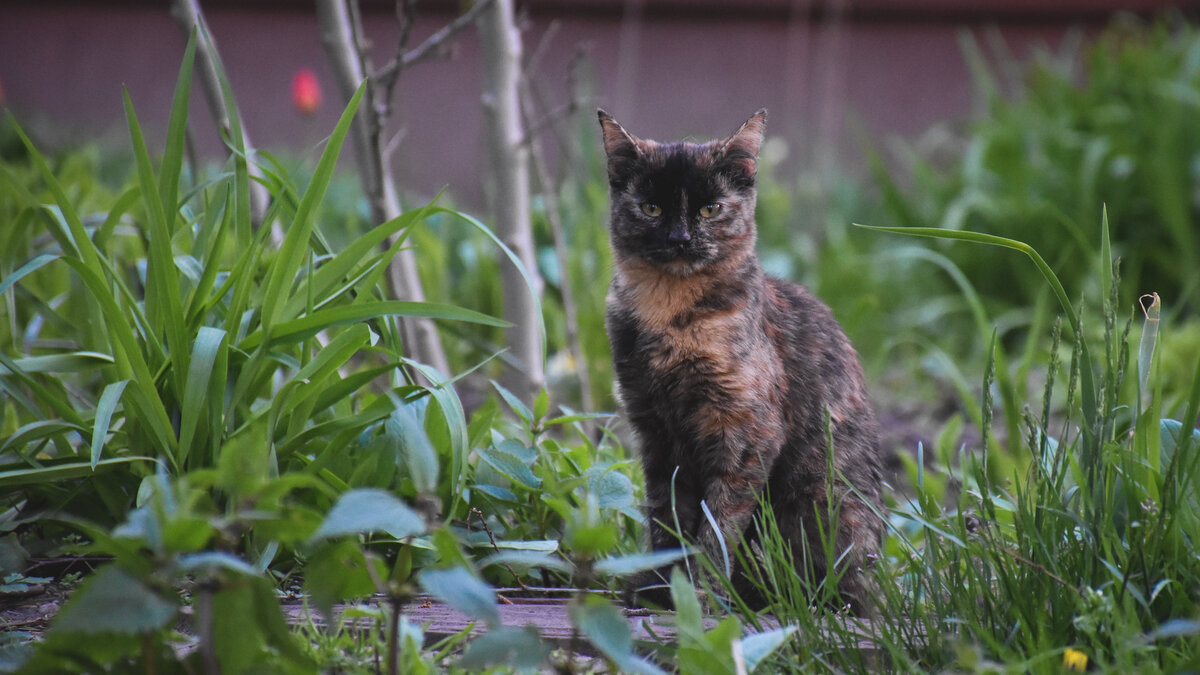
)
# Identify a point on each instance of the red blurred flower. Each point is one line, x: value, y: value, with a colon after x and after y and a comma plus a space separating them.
x: 306, y: 91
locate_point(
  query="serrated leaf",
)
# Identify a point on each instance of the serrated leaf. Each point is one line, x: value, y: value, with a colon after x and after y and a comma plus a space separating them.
x: 496, y: 492
x: 613, y: 489
x: 112, y: 601
x: 520, y: 648
x: 369, y: 510
x: 511, y: 467
x: 638, y: 562
x: 462, y: 591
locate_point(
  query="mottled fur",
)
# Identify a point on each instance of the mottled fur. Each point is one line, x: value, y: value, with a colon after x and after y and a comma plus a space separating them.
x: 726, y: 374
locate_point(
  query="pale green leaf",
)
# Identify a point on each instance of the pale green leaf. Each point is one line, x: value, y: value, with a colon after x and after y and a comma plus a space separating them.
x: 370, y: 510
x: 463, y: 591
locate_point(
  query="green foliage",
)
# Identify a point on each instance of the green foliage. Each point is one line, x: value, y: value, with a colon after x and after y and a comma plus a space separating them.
x: 1111, y: 128
x: 228, y: 423
x: 1087, y: 543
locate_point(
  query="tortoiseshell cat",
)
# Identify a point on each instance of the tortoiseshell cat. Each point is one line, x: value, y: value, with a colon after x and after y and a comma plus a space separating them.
x: 727, y: 375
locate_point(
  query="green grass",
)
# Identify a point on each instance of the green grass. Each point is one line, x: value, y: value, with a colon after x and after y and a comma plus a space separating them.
x: 223, y: 420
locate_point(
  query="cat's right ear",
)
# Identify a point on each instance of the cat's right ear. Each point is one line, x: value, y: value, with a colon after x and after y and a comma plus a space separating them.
x: 621, y: 147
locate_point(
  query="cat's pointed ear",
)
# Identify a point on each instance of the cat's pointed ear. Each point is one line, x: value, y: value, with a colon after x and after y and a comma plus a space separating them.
x: 621, y: 147
x: 741, y: 148
x: 617, y: 141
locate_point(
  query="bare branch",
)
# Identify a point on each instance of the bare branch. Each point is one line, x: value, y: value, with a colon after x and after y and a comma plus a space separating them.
x: 500, y: 46
x: 190, y: 18
x: 432, y: 46
x: 341, y: 34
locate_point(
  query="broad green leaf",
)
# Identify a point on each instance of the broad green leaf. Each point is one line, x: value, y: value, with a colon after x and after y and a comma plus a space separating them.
x: 520, y: 648
x: 541, y: 545
x: 249, y: 629
x: 370, y: 510
x: 612, y: 488
x: 112, y: 601
x: 689, y: 616
x: 450, y: 406
x: 755, y: 648
x: 541, y: 405
x: 214, y: 560
x: 511, y: 467
x: 526, y: 559
x: 105, y: 408
x: 209, y: 344
x: 338, y: 571
x: 496, y: 492
x: 407, y: 431
x: 638, y: 562
x: 463, y: 591
x: 605, y: 627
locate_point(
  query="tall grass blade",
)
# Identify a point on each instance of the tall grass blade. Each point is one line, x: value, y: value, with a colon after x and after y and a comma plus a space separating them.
x: 1106, y: 261
x: 307, y: 326
x: 164, y: 306
x: 129, y: 362
x: 532, y: 287
x: 1148, y: 341
x: 287, y: 262
x: 77, y: 238
x: 25, y: 270
x: 172, y: 160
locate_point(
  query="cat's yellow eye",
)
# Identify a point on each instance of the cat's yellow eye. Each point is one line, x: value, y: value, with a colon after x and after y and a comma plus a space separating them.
x: 652, y: 210
x: 709, y: 210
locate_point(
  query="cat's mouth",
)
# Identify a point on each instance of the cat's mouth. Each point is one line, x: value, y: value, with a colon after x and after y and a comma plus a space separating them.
x: 677, y: 259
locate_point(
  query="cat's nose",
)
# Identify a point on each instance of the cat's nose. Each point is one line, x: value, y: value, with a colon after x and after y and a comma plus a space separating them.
x: 679, y: 235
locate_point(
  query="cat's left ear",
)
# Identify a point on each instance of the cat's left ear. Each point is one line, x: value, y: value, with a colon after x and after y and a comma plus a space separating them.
x: 741, y: 148
x: 622, y: 148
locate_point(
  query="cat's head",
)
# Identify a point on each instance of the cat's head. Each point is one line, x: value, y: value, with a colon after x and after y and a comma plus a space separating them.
x: 682, y: 206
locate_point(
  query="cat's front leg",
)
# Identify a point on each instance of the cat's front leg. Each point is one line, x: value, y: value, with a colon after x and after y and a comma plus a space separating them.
x: 740, y: 468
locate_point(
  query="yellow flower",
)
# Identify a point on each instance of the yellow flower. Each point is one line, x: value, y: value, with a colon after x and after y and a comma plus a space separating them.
x: 1074, y: 660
